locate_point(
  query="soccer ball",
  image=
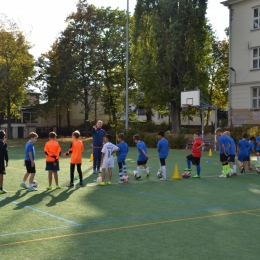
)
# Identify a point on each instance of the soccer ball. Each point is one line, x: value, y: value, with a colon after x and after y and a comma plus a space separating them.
x: 257, y: 167
x: 126, y: 178
x: 99, y: 179
x: 186, y: 175
x: 159, y: 174
x: 35, y: 184
x: 135, y: 173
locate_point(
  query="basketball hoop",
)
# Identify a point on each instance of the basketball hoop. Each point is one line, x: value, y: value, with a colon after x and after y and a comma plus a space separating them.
x: 185, y: 106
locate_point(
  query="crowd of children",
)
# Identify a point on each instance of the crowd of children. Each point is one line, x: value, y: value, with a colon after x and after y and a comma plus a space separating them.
x: 104, y: 150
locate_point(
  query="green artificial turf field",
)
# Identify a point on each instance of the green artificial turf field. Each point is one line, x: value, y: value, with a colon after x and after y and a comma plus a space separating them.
x: 207, y: 218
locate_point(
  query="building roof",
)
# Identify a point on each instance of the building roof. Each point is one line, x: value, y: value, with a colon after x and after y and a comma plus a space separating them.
x: 230, y: 2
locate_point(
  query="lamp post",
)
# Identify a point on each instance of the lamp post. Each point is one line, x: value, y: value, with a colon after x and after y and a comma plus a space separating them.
x: 127, y: 66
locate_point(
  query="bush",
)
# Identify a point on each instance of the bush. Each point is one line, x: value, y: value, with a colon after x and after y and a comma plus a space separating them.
x: 177, y: 141
x: 253, y: 131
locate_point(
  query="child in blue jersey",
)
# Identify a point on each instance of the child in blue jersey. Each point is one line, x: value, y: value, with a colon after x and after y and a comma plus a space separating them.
x: 29, y: 162
x: 232, y: 154
x: 163, y: 150
x: 98, y: 135
x: 242, y: 152
x: 224, y: 144
x: 142, y: 158
x: 121, y: 155
x: 251, y: 148
x: 258, y: 148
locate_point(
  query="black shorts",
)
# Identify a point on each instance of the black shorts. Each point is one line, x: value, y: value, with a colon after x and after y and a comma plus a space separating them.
x: 2, y: 168
x: 194, y: 160
x: 231, y: 158
x: 29, y: 168
x: 51, y: 168
x: 223, y: 157
x: 141, y: 162
x: 162, y: 161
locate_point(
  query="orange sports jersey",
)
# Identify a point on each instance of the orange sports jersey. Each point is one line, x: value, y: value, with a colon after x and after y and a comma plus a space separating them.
x: 76, y: 150
x: 52, y: 150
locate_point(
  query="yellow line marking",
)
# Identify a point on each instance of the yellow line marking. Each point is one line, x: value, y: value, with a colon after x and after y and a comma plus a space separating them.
x: 126, y: 227
x: 257, y: 215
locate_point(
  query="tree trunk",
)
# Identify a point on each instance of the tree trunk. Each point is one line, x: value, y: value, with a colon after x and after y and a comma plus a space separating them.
x: 86, y: 109
x: 68, y: 117
x: 175, y: 118
x: 9, y: 124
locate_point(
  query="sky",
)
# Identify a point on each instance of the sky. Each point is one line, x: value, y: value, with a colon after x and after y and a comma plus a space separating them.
x: 43, y: 20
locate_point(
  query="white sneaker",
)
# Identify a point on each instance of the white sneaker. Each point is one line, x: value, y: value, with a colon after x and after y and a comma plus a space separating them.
x: 163, y: 179
x: 222, y: 176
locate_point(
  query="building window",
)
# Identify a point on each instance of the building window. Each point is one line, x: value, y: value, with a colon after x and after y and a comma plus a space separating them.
x: 160, y: 116
x: 30, y: 118
x: 255, y: 98
x: 256, y: 18
x: 256, y: 58
x: 141, y: 112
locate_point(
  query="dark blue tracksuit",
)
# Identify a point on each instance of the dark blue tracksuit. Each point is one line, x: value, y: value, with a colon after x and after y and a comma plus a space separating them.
x: 98, y: 139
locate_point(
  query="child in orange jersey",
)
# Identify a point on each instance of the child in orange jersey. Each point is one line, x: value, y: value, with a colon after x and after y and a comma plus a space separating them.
x: 52, y: 150
x: 76, y: 150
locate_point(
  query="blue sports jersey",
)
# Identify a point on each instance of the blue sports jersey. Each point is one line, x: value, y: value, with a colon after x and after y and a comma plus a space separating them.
x: 232, y: 148
x: 223, y: 139
x: 98, y: 137
x: 121, y: 154
x: 243, y: 147
x: 29, y: 147
x: 163, y: 148
x: 257, y: 141
x: 251, y: 146
x: 141, y: 146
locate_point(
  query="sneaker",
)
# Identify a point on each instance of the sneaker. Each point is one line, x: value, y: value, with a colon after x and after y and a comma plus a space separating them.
x: 234, y: 173
x: 70, y: 185
x: 222, y: 176
x: 163, y: 179
x: 3, y: 191
x: 81, y: 184
x: 58, y: 187
x: 187, y: 169
x: 242, y: 170
x: 31, y: 189
x: 99, y: 171
x: 120, y: 182
x: 94, y: 172
x: 23, y: 185
x: 148, y: 175
x: 49, y: 187
x: 101, y: 183
x: 109, y: 183
x: 138, y: 177
x: 250, y: 169
x: 196, y: 176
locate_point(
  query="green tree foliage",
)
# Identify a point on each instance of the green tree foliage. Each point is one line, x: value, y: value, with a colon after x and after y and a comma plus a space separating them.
x: 169, y: 38
x: 16, y: 66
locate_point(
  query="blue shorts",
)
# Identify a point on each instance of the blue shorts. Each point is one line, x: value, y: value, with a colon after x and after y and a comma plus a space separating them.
x: 51, y: 168
x: 242, y: 158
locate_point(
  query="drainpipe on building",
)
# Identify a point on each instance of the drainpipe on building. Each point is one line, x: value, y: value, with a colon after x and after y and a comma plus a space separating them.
x: 229, y: 72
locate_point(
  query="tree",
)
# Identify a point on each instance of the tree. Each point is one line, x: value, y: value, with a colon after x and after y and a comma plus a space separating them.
x: 169, y: 38
x: 16, y: 66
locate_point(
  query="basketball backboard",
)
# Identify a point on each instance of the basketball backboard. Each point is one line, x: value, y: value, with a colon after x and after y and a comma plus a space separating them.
x: 191, y: 98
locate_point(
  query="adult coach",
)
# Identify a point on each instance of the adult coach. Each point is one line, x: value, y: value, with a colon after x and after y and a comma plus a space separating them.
x: 98, y: 135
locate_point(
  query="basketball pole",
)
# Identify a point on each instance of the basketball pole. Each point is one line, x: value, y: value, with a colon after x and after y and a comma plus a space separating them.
x: 127, y: 66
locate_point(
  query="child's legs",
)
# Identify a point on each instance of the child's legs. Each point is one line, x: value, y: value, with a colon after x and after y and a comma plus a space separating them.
x: 56, y: 178
x: 109, y: 173
x: 1, y: 180
x: 31, y: 178
x: 72, y: 169
x: 248, y: 162
x: 163, y: 167
x: 103, y: 174
x: 95, y: 157
x: 79, y: 172
x: 25, y: 177
x: 50, y: 177
x: 120, y: 166
x: 124, y: 167
x: 196, y: 161
x: 188, y: 161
